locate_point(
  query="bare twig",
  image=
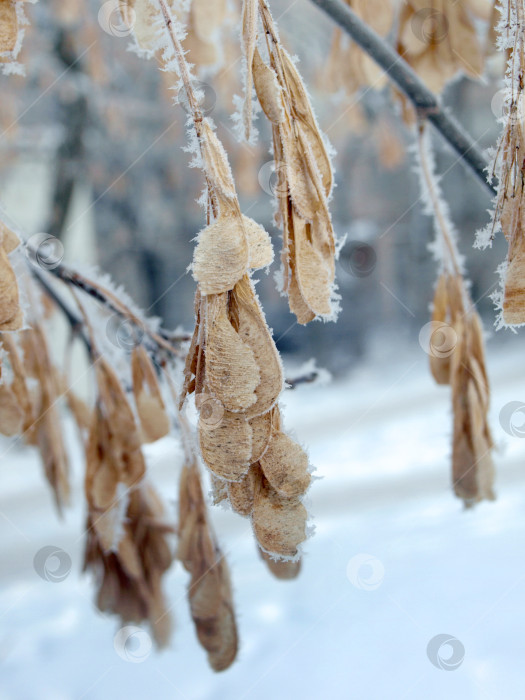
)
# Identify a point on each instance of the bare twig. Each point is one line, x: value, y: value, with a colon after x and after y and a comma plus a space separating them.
x: 162, y: 339
x: 113, y: 303
x: 398, y: 71
x: 76, y: 323
x: 303, y: 379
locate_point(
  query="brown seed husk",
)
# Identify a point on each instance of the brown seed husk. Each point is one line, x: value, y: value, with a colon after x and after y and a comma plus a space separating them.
x: 259, y: 244
x: 232, y: 373
x: 78, y: 407
x: 150, y: 405
x: 437, y: 42
x: 302, y: 190
x: 8, y: 26
x: 10, y: 314
x: 279, y: 523
x: 219, y: 636
x: 209, y: 591
x: 303, y: 109
x: 249, y: 46
x: 219, y: 490
x: 261, y: 434
x: 130, y: 574
x: 143, y: 20
x: 11, y: 413
x: 514, y: 297
x: 217, y: 167
x: 192, y: 357
x: 8, y: 239
x: 201, y: 53
x: 115, y: 466
x: 255, y: 334
x: 350, y: 68
x: 227, y: 449
x: 321, y: 234
x: 222, y: 255
x: 207, y: 17
x: 285, y: 465
x: 19, y: 385
x: 472, y: 467
x: 241, y: 493
x: 283, y: 570
x: 313, y: 277
x: 440, y: 366
x: 124, y: 438
x: 127, y: 12
x: 298, y: 305
x: 267, y: 89
x: 46, y: 431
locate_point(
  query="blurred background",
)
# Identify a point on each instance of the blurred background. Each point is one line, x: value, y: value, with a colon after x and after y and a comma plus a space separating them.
x: 91, y: 152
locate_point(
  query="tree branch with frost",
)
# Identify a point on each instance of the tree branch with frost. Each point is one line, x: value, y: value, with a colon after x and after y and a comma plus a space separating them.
x: 75, y: 322
x: 162, y: 339
x: 451, y: 261
x: 399, y: 72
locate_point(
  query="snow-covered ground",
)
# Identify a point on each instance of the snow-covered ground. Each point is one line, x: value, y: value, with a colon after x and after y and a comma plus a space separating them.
x: 351, y: 626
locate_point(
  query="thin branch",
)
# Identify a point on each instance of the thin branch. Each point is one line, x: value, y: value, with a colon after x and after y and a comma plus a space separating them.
x: 76, y: 323
x: 163, y: 340
x: 113, y: 303
x: 428, y: 175
x: 303, y: 379
x: 398, y: 71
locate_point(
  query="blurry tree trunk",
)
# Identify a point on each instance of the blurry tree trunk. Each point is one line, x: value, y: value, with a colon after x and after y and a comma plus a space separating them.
x: 70, y: 157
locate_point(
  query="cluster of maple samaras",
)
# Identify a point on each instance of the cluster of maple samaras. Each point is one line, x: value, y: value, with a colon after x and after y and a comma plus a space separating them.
x: 437, y: 39
x: 127, y: 546
x: 459, y: 360
x: 28, y: 396
x: 30, y: 401
x: 210, y: 592
x: 235, y: 371
x: 126, y: 533
x: 303, y: 169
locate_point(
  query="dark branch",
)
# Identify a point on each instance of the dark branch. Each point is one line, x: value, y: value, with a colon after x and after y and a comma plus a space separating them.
x: 397, y: 69
x: 304, y: 379
x: 76, y: 323
x: 163, y: 339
